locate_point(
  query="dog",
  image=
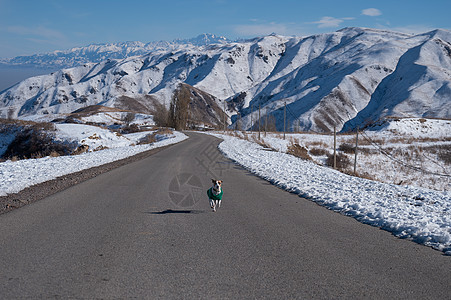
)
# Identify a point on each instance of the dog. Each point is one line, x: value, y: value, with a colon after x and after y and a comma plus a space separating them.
x: 215, y: 194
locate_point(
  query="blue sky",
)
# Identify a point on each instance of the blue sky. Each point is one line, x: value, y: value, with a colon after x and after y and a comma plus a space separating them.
x: 36, y: 26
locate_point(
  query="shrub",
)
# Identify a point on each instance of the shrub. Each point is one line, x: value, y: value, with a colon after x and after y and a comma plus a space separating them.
x: 347, y: 148
x: 130, y: 129
x: 444, y: 154
x: 318, y: 152
x: 35, y: 143
x: 343, y: 162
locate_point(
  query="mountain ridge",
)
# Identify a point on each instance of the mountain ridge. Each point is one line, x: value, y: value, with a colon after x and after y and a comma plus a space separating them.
x: 342, y: 79
x: 97, y: 52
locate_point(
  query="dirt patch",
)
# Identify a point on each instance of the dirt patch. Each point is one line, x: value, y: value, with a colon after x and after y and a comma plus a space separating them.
x: 45, y: 189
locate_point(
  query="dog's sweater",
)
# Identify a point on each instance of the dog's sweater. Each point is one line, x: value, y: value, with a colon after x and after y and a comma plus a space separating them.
x: 212, y: 196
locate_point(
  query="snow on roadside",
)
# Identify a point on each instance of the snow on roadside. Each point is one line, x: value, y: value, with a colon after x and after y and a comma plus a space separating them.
x: 92, y: 136
x: 16, y: 176
x: 419, y: 214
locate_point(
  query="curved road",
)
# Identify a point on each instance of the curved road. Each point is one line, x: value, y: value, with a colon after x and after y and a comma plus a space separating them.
x: 145, y: 231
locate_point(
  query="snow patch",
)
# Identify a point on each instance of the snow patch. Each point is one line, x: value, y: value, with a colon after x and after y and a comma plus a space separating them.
x: 419, y: 214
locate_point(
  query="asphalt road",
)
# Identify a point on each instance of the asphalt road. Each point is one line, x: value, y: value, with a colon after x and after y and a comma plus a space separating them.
x: 140, y: 231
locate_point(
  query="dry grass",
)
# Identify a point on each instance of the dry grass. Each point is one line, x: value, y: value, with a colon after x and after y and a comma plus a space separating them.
x: 148, y: 139
x: 318, y: 144
x: 372, y: 141
x: 29, y: 124
x: 153, y: 137
x: 299, y: 151
x: 99, y: 148
x: 164, y: 130
x: 94, y: 137
x: 262, y: 143
x: 80, y: 149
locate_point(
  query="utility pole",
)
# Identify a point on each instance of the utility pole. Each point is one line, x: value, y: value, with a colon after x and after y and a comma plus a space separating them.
x: 225, y: 116
x: 238, y: 125
x: 266, y: 121
x: 284, y: 120
x: 335, y: 147
x: 252, y: 111
x: 259, y: 121
x: 356, y: 145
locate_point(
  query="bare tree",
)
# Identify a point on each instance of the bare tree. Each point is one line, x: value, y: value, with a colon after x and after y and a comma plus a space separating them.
x: 10, y: 113
x: 128, y: 118
x: 160, y: 115
x: 178, y: 111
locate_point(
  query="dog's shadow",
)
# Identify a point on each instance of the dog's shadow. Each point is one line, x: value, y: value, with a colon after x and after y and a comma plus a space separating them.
x: 171, y: 211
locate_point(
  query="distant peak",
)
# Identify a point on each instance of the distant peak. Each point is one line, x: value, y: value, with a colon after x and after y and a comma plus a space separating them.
x: 204, y: 39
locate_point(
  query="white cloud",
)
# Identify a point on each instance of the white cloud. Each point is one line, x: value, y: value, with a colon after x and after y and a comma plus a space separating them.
x: 327, y: 22
x: 372, y: 12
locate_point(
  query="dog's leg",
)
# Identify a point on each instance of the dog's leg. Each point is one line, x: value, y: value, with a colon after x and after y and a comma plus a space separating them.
x: 219, y: 203
x: 212, y: 204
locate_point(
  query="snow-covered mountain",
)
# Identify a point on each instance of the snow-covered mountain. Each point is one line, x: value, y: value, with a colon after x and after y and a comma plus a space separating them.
x: 344, y: 79
x: 100, y: 52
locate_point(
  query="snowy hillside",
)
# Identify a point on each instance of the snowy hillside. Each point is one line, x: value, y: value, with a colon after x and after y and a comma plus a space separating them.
x: 345, y: 79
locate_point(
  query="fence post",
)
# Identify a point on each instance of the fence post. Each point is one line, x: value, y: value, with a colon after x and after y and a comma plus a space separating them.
x: 356, y: 145
x: 335, y: 147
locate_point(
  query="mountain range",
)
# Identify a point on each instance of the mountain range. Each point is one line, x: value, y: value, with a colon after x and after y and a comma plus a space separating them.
x: 345, y: 79
x: 99, y: 52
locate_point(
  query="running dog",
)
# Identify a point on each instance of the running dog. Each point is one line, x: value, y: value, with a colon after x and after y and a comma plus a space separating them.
x: 215, y: 194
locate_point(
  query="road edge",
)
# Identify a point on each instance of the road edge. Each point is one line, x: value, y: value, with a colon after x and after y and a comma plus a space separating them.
x: 42, y: 190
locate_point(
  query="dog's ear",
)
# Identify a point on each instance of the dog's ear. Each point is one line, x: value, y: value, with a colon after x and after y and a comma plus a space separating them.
x: 220, y: 181
x: 212, y: 180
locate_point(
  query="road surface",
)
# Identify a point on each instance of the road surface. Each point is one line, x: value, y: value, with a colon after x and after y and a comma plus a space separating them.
x: 145, y: 231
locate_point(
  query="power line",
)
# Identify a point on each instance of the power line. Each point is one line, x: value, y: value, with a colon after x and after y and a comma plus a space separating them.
x: 382, y: 151
x: 400, y: 161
